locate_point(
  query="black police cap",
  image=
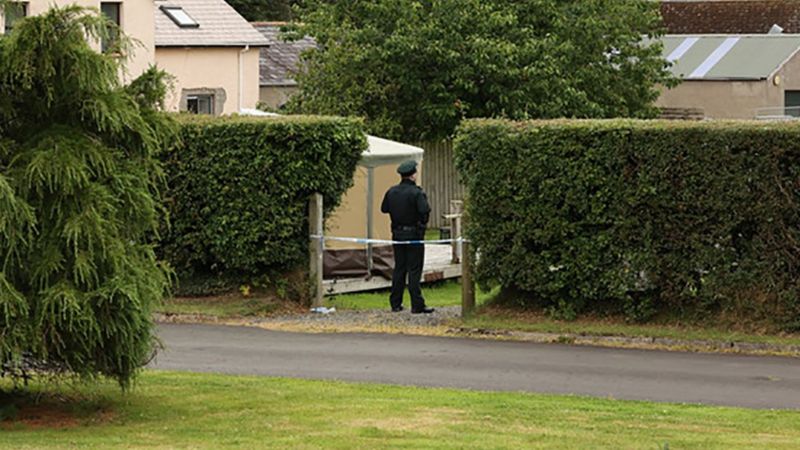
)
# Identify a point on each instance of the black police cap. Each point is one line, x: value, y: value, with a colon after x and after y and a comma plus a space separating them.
x: 407, y: 168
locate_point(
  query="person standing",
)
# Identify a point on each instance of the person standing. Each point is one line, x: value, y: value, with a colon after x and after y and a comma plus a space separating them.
x: 408, y: 207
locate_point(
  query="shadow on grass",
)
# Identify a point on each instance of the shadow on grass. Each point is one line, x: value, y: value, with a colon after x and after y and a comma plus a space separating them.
x: 52, y: 407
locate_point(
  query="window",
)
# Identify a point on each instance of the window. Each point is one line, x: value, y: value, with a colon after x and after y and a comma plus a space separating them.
x: 791, y: 103
x: 180, y: 17
x: 200, y: 104
x: 203, y: 100
x: 113, y: 12
x: 14, y: 12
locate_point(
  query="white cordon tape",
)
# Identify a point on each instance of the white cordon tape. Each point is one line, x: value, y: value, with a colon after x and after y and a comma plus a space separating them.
x: 385, y: 242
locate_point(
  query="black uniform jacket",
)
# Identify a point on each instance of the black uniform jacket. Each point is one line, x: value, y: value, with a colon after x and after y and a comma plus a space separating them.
x: 408, y: 206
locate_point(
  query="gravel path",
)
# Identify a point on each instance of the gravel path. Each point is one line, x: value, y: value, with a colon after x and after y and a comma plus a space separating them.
x: 378, y: 320
x: 372, y: 317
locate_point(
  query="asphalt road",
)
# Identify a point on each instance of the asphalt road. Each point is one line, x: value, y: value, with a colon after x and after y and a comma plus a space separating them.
x: 748, y: 381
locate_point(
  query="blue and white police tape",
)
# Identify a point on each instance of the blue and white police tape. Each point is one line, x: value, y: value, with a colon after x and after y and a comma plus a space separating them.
x: 386, y: 242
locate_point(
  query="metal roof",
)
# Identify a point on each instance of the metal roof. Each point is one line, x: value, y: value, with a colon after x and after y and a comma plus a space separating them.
x: 729, y: 57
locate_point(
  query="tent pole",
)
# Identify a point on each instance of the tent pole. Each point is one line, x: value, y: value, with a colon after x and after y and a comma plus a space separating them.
x: 370, y: 197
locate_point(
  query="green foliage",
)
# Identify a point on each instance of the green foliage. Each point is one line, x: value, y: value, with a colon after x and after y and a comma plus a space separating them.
x: 79, y: 201
x: 193, y: 410
x: 252, y: 10
x: 239, y: 190
x: 639, y: 217
x: 414, y: 68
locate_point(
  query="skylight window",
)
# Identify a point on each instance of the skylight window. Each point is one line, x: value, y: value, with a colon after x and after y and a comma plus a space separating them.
x: 180, y: 17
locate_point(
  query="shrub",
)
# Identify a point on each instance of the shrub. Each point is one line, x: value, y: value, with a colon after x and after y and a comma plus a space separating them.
x: 79, y: 202
x: 239, y: 190
x: 699, y: 220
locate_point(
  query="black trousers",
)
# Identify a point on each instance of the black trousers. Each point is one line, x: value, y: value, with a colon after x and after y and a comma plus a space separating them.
x: 408, y: 262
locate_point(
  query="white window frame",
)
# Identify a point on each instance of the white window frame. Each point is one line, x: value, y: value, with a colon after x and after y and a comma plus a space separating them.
x: 179, y: 15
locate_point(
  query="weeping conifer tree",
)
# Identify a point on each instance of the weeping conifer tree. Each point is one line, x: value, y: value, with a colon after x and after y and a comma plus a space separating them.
x: 79, y: 200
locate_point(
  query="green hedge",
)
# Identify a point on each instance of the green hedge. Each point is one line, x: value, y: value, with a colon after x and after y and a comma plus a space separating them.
x: 238, y: 193
x: 698, y: 220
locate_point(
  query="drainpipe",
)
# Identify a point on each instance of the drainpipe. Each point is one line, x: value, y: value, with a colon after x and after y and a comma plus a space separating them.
x: 241, y: 76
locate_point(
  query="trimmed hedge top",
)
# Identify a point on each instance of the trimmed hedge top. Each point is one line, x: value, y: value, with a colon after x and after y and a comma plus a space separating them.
x: 239, y: 189
x: 640, y: 217
x: 616, y: 124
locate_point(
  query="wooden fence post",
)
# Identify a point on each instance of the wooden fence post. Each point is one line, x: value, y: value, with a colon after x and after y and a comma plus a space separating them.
x: 467, y: 284
x: 456, y: 208
x: 316, y: 248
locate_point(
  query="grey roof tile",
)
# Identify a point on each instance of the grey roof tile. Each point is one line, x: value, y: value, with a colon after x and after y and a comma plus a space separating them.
x: 220, y: 26
x: 282, y: 58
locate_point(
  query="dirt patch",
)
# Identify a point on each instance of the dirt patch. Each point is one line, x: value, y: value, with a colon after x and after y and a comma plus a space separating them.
x: 53, y: 416
x: 26, y: 410
x: 44, y: 416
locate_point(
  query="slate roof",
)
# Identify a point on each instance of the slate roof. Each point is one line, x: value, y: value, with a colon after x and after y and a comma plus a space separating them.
x: 730, y: 16
x: 220, y: 26
x: 729, y: 57
x: 282, y: 58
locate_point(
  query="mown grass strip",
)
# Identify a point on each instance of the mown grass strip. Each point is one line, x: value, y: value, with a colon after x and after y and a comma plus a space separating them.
x: 182, y: 410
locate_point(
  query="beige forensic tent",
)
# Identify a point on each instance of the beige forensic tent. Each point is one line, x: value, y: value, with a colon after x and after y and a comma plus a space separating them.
x: 359, y: 215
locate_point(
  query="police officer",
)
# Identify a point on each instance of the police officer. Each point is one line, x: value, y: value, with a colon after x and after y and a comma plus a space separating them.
x: 409, y: 210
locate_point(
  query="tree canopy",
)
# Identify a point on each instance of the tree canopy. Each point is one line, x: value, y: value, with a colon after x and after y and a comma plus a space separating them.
x: 415, y: 68
x: 79, y: 200
x: 252, y: 10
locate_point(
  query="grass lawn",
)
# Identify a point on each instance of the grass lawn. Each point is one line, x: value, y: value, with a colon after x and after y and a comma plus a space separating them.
x: 228, y: 306
x: 500, y: 319
x: 432, y: 234
x: 176, y: 410
x: 446, y: 293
